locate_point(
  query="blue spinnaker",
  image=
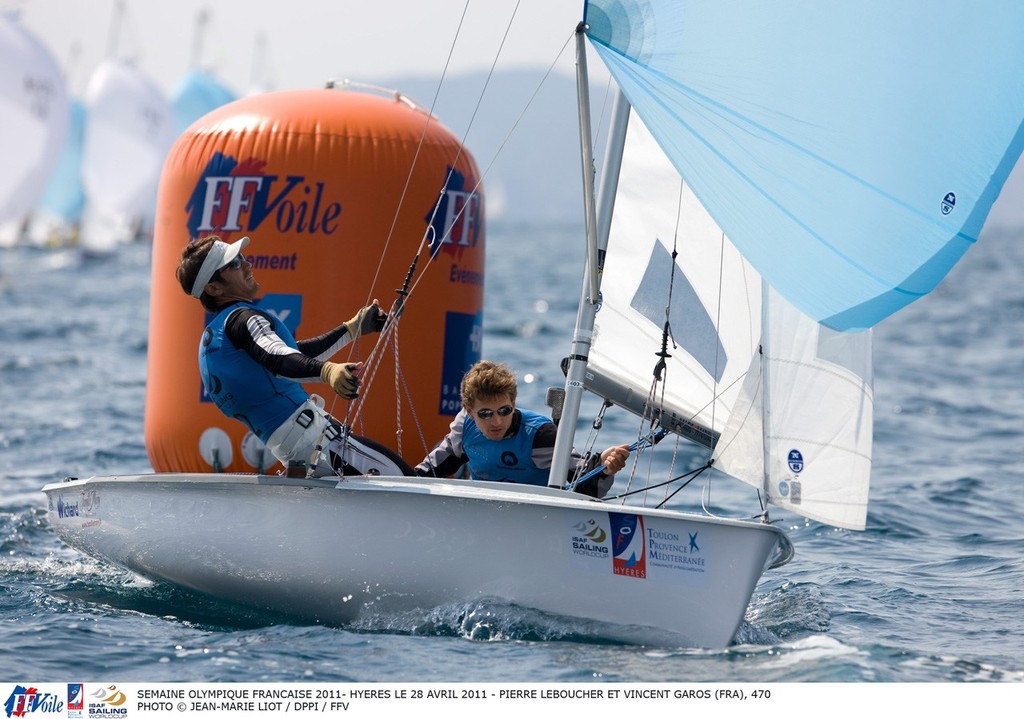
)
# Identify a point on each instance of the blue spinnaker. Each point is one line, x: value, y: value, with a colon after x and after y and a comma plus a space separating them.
x: 197, y: 94
x: 64, y: 195
x: 850, y: 150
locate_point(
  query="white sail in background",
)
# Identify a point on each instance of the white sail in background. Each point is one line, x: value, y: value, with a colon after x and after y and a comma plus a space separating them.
x: 35, y: 111
x: 127, y: 135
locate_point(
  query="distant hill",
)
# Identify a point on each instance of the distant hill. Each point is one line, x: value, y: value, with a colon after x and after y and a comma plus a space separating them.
x: 532, y: 168
x: 524, y: 137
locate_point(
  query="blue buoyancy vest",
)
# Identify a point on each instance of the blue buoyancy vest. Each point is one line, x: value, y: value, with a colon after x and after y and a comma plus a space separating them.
x: 240, y: 386
x: 508, y: 459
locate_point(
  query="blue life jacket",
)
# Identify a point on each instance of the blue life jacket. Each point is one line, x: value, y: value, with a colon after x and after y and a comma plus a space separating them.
x: 505, y: 460
x: 241, y: 387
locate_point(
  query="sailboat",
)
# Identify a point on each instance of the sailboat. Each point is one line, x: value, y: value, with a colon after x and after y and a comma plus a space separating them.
x: 756, y: 214
x: 199, y: 91
x: 127, y: 136
x: 59, y: 214
x: 35, y: 107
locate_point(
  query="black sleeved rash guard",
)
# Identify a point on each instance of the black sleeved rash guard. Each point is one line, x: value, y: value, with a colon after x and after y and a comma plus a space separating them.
x: 253, y: 331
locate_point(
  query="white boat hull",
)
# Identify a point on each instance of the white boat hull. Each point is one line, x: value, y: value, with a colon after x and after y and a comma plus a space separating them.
x: 324, y: 550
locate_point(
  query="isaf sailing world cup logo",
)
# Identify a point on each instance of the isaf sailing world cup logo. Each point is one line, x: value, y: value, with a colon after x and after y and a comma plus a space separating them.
x: 108, y: 702
x: 588, y: 539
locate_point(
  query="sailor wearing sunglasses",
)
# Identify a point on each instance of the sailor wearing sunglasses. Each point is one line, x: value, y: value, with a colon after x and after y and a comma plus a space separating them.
x: 501, y: 443
x: 252, y: 367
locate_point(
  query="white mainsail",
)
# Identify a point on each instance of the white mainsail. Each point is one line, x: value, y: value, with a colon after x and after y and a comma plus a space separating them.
x: 715, y: 323
x: 128, y: 131
x: 805, y: 434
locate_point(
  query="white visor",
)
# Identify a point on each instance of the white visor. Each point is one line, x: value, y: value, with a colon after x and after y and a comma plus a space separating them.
x: 217, y: 258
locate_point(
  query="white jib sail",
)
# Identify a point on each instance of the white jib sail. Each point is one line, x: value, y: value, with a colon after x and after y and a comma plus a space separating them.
x: 815, y: 432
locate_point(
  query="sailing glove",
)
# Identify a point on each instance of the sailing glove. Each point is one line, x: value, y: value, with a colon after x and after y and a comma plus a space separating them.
x: 341, y: 378
x: 369, y: 319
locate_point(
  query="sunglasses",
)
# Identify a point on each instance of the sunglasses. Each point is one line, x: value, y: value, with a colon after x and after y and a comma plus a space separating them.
x: 233, y: 265
x: 487, y: 413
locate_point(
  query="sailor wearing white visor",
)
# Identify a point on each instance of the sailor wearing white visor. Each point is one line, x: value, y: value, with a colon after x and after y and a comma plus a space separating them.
x: 252, y: 367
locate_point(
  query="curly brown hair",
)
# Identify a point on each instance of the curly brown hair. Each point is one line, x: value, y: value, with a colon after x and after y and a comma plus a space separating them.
x: 486, y: 380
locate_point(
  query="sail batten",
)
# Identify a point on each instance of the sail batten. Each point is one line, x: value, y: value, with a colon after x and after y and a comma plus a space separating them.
x: 851, y: 188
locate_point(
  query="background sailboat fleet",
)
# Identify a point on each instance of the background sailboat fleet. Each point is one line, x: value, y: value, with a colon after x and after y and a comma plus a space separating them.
x: 84, y: 170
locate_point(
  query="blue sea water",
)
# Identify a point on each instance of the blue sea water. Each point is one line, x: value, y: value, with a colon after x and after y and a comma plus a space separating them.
x: 932, y: 591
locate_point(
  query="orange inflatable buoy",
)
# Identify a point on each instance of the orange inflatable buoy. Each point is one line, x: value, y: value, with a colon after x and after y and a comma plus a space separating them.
x: 336, y: 190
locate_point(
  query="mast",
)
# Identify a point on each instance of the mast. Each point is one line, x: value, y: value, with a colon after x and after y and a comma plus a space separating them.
x: 198, y: 36
x: 115, y: 30
x: 766, y: 407
x: 598, y: 222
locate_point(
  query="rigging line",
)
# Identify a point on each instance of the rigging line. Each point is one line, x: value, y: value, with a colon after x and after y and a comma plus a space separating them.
x: 640, y: 433
x: 412, y: 410
x: 661, y: 403
x: 469, y: 126
x: 646, y: 442
x: 416, y: 155
x: 661, y: 366
x: 401, y: 385
x: 715, y: 397
x: 390, y: 328
x: 370, y: 367
x: 396, y: 307
x: 675, y: 255
x: 398, y: 401
x: 650, y: 402
x: 653, y: 403
x: 718, y: 325
x: 628, y: 493
x: 501, y: 147
x: 672, y: 466
x: 721, y: 449
x: 587, y: 448
x: 444, y: 186
x: 684, y: 484
x: 604, y: 105
x: 393, y: 317
x: 763, y: 514
x: 666, y: 331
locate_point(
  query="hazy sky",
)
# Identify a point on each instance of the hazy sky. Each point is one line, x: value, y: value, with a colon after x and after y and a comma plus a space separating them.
x: 306, y: 41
